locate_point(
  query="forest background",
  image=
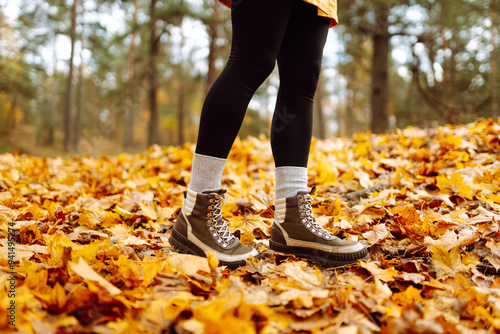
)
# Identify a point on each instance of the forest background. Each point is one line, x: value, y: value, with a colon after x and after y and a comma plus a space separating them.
x: 108, y: 76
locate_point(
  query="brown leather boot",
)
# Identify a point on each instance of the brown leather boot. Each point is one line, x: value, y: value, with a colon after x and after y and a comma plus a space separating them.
x: 295, y: 231
x: 200, y: 228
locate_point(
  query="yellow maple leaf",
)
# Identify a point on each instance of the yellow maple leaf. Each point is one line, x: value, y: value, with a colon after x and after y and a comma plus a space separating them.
x: 89, y: 219
x: 329, y: 208
x: 324, y: 173
x: 454, y: 185
x: 110, y: 218
x: 126, y: 271
x: 447, y: 264
x: 54, y: 299
x: 411, y: 224
x: 363, y: 148
x: 247, y: 223
x: 408, y: 297
x: 449, y: 142
x: 37, y: 211
x: 247, y: 238
x: 386, y: 275
x: 36, y: 278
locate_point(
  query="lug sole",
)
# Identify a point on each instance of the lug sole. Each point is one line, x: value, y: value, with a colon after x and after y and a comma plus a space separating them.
x: 181, y: 244
x: 319, y: 256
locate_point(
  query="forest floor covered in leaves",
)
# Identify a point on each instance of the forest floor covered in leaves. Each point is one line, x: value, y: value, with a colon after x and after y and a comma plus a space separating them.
x: 91, y: 251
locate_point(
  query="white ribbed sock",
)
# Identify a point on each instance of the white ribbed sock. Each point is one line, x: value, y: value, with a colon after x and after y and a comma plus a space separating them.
x: 206, y: 172
x: 289, y: 180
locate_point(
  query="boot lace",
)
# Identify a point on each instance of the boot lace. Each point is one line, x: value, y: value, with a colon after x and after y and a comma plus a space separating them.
x: 218, y: 226
x: 308, y: 219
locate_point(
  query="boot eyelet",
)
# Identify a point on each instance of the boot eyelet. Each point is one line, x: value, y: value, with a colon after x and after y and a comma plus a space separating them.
x: 214, y: 234
x: 224, y: 245
x: 219, y: 240
x: 313, y: 230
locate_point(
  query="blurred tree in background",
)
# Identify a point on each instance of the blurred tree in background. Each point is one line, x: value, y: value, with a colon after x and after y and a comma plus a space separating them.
x: 106, y: 76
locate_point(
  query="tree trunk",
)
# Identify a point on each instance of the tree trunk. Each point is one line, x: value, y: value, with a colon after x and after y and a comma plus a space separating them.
x: 181, y: 103
x: 79, y: 94
x: 53, y: 102
x: 213, y: 34
x: 79, y: 110
x: 69, y: 85
x: 494, y: 95
x: 40, y: 118
x: 350, y: 116
x: 153, y: 79
x: 380, y: 84
x: 447, y: 93
x: 128, y: 117
x: 12, y: 118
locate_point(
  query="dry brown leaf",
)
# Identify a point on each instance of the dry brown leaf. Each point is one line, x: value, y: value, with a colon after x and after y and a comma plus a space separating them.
x: 494, y: 256
x: 450, y: 240
x: 378, y: 233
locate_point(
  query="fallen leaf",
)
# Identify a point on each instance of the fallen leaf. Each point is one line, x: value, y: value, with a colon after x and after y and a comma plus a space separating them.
x: 494, y: 256
x: 447, y: 264
x: 454, y: 185
x: 87, y: 273
x: 386, y: 275
x: 378, y: 233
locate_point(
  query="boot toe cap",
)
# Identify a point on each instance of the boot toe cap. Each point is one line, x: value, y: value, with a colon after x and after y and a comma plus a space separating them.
x: 351, y: 247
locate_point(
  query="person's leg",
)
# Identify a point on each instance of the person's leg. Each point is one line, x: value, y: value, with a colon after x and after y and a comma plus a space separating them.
x: 258, y: 28
x: 299, y: 63
x: 295, y: 231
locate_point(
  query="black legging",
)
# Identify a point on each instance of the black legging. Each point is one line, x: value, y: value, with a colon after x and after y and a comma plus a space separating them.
x: 291, y: 32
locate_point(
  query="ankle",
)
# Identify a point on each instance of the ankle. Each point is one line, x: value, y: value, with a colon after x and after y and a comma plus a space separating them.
x: 290, y: 180
x: 206, y: 172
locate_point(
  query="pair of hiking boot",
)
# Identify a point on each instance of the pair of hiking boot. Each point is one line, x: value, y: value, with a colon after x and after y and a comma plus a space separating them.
x: 200, y: 228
